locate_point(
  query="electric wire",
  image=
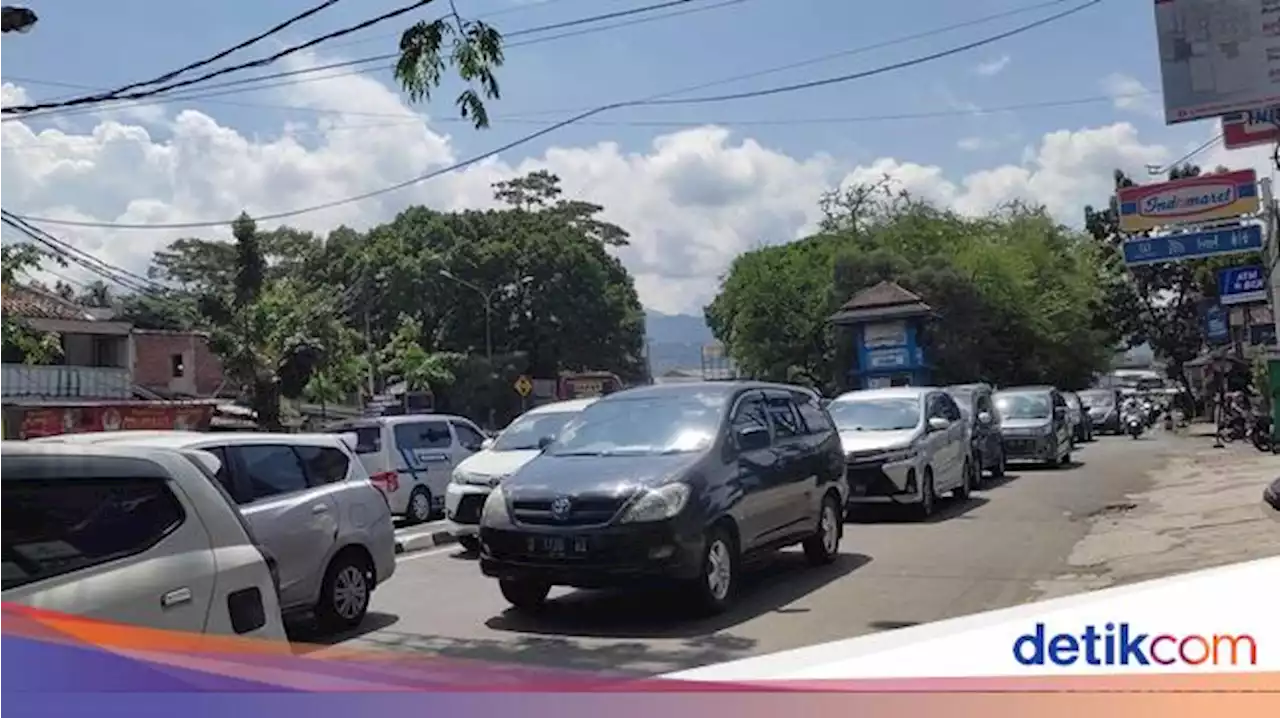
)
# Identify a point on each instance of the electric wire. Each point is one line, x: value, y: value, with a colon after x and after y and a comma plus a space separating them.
x: 52, y: 108
x: 793, y: 87
x: 300, y: 75
x: 673, y: 123
x: 277, y: 28
x: 260, y: 62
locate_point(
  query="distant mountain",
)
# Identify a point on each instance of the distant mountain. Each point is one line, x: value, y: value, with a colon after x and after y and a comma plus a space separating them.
x: 675, y: 340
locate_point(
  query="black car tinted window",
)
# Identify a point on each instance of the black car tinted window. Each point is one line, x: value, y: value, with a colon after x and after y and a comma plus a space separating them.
x: 271, y: 470
x: 324, y: 464
x: 814, y: 417
x: 423, y: 435
x: 467, y: 436
x: 60, y: 526
x: 224, y: 469
x: 786, y: 420
x: 751, y: 413
x: 368, y: 437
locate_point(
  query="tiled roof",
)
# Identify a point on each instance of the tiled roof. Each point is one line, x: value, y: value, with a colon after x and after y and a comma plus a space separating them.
x: 884, y: 294
x: 885, y: 301
x: 32, y: 303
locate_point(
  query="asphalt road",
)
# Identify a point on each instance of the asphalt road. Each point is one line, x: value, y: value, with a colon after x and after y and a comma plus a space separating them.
x: 1000, y: 548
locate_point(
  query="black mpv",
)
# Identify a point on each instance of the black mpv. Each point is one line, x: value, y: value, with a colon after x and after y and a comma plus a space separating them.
x: 669, y: 483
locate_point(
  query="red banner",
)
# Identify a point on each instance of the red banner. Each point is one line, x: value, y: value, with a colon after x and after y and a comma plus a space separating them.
x: 55, y: 420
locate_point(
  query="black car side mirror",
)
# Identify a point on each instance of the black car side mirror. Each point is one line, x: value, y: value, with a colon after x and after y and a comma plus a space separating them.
x: 544, y: 442
x: 753, y: 438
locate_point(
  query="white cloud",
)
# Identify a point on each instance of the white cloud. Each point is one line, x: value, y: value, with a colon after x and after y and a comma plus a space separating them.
x: 692, y: 199
x: 1130, y: 95
x: 993, y: 67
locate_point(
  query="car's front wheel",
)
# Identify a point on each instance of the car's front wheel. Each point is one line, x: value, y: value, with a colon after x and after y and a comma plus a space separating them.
x: 524, y: 594
x: 715, y: 589
x: 419, y: 510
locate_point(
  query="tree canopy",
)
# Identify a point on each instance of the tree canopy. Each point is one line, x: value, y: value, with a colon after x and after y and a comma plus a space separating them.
x: 1014, y: 293
x: 300, y: 315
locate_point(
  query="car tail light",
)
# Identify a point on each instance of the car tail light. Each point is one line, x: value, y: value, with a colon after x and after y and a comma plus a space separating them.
x: 388, y: 481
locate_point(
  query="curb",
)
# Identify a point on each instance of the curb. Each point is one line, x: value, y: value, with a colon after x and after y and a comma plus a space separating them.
x: 424, y: 541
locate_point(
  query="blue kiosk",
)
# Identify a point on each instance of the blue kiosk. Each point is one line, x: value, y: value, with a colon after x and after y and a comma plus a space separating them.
x: 884, y: 323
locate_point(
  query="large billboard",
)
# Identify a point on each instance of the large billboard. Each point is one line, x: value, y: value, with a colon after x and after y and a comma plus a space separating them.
x: 1217, y: 56
x: 1193, y: 200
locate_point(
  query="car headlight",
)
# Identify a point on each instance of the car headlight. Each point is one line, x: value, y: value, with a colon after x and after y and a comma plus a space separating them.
x: 1046, y: 430
x: 897, y: 455
x: 463, y: 477
x: 657, y: 504
x: 495, y: 508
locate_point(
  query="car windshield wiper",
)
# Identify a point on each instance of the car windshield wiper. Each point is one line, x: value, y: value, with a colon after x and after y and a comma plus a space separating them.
x: 579, y: 453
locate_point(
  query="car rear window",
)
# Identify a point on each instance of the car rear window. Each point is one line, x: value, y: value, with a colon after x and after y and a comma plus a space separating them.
x: 60, y: 526
x: 368, y: 438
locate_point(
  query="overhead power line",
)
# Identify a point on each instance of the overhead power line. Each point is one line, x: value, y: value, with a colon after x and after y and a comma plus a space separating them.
x: 79, y: 257
x: 844, y: 53
x: 919, y: 60
x: 219, y: 89
x: 279, y: 27
x: 260, y: 62
x: 661, y: 123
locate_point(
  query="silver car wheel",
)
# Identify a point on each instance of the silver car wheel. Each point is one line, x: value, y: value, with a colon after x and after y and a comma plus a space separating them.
x: 830, y: 529
x: 350, y: 592
x: 719, y: 570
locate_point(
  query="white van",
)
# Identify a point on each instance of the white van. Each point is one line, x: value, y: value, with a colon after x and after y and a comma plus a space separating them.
x: 516, y: 446
x: 412, y: 457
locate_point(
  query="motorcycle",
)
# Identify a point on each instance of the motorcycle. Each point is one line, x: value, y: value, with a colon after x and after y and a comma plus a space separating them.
x: 1134, y: 425
x: 1260, y: 434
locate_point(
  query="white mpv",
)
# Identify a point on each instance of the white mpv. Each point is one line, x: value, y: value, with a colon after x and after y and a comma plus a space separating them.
x: 411, y: 457
x: 309, y: 502
x: 905, y: 445
x: 135, y: 535
x: 516, y: 446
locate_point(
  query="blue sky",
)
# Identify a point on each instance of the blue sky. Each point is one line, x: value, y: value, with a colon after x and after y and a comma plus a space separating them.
x: 106, y: 44
x: 737, y: 175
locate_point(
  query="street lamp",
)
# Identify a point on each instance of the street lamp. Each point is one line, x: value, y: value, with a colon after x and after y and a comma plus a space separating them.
x: 17, y: 19
x: 488, y: 315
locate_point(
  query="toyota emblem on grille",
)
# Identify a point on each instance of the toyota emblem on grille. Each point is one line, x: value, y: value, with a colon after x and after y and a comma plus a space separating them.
x: 560, y: 508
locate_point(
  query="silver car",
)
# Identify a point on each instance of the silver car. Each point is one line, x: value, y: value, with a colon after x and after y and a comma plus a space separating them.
x: 310, y: 503
x: 905, y: 445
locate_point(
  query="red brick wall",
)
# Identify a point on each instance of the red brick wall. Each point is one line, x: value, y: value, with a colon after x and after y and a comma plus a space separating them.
x: 153, y: 367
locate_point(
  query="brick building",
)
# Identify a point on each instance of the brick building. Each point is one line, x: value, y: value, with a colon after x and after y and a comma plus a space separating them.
x: 176, y: 364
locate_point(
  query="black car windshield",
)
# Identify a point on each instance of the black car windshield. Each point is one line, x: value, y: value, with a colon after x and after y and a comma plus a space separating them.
x: 1024, y: 406
x: 896, y: 414
x: 526, y: 431
x: 663, y: 424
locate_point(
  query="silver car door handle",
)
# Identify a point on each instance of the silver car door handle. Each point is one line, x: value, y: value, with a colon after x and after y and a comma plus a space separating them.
x: 320, y: 509
x: 175, y: 597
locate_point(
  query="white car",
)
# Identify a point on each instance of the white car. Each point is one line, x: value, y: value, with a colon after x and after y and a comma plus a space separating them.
x: 904, y: 445
x: 516, y: 446
x: 411, y: 458
x: 136, y: 535
x: 309, y: 502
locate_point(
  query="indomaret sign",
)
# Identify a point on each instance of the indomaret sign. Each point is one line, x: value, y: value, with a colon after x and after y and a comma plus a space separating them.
x: 1192, y: 200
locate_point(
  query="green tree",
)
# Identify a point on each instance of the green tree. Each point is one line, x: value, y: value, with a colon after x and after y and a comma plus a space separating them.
x: 1012, y: 292
x: 406, y: 358
x: 473, y: 48
x: 97, y: 294
x: 22, y: 342
x: 271, y: 334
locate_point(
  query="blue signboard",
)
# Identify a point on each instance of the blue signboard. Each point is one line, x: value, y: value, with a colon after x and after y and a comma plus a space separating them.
x: 1262, y: 335
x: 895, y: 358
x: 1194, y: 245
x: 1217, y: 325
x: 1242, y: 285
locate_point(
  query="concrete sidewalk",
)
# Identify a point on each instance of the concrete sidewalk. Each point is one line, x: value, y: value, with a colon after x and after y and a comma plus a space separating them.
x: 1202, y: 509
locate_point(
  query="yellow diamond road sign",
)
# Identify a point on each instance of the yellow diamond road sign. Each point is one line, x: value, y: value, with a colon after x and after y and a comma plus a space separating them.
x: 524, y: 385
